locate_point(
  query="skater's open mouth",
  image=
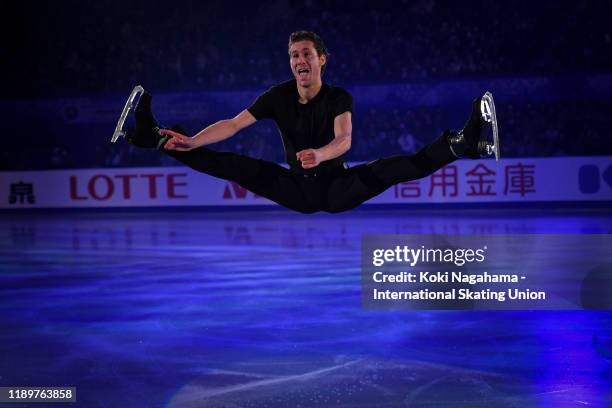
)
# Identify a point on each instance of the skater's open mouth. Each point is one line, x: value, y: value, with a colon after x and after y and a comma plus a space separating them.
x: 303, y: 71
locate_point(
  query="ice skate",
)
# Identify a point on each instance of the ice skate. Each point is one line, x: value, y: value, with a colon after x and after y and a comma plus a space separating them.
x: 480, y: 135
x: 145, y: 132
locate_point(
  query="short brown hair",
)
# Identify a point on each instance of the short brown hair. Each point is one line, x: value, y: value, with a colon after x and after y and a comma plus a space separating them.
x: 319, y: 46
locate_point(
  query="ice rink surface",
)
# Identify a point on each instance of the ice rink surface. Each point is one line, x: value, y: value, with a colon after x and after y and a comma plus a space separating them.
x: 197, y: 308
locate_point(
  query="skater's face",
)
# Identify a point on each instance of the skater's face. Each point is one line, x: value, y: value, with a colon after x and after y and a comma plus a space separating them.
x: 305, y: 63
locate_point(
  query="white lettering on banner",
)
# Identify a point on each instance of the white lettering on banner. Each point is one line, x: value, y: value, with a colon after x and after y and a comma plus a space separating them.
x: 102, y: 187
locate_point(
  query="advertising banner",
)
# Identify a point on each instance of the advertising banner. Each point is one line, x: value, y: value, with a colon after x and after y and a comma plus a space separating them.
x: 509, y: 180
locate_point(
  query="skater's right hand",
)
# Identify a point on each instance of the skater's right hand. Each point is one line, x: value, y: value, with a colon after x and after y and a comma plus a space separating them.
x: 178, y: 142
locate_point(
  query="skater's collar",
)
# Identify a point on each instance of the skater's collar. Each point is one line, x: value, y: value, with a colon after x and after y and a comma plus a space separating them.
x: 318, y: 95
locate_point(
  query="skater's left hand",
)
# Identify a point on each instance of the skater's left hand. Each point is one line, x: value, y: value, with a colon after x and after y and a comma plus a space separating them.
x: 310, y: 158
x: 178, y: 142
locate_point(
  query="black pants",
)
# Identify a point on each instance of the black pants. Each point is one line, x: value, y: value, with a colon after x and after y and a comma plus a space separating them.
x: 333, y: 192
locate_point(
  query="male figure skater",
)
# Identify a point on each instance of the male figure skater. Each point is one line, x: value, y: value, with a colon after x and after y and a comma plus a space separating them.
x: 314, y: 119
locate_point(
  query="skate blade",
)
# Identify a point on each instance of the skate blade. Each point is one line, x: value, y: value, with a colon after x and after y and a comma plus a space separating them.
x: 136, y: 94
x: 487, y: 109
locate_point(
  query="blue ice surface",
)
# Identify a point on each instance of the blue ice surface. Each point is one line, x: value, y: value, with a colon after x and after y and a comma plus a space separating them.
x: 262, y: 308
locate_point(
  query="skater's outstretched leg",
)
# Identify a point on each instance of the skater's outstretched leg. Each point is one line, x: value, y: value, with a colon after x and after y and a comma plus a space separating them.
x: 368, y: 180
x: 261, y: 177
x: 365, y: 181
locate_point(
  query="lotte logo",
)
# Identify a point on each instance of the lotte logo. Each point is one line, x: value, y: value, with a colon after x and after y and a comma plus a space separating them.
x: 151, y: 186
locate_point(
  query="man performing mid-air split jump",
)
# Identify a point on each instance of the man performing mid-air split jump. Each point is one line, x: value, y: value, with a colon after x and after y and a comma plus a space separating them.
x: 314, y: 119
